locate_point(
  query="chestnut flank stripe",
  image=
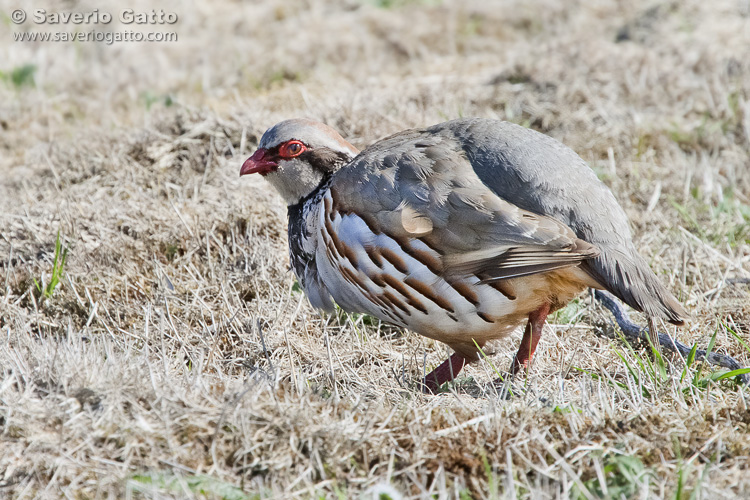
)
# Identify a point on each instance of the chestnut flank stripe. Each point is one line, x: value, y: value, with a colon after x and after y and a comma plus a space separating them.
x: 433, y: 263
x: 404, y: 291
x: 394, y: 259
x: 392, y: 299
x: 374, y: 256
x: 349, y: 276
x: 485, y: 317
x: 465, y: 291
x: 342, y: 249
x: 427, y: 291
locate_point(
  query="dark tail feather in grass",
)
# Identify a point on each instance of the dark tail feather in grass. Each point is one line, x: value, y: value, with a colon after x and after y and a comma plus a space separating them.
x: 635, y: 332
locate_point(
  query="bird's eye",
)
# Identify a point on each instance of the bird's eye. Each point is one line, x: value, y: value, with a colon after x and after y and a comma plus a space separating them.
x: 292, y: 149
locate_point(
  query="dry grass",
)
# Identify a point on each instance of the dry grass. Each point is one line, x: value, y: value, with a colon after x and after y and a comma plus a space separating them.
x: 177, y: 358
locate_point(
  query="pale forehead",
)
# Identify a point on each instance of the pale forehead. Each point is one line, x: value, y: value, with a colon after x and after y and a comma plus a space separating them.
x: 310, y: 132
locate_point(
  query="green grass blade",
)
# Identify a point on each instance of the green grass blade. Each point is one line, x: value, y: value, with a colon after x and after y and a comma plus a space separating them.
x: 58, y: 267
x: 725, y: 374
x: 697, y: 381
x: 712, y: 342
x: 634, y: 373
x: 492, y: 365
x: 689, y: 361
x: 737, y: 337
x: 596, y: 376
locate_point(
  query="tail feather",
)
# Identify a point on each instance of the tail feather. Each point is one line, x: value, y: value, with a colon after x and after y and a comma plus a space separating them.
x: 627, y: 276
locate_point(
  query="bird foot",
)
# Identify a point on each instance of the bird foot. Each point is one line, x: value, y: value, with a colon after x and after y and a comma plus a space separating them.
x: 443, y: 373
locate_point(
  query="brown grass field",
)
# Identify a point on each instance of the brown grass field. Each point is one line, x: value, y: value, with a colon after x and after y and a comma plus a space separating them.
x: 176, y: 358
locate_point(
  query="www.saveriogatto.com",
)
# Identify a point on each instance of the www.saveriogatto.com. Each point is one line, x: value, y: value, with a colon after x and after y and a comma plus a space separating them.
x: 78, y: 21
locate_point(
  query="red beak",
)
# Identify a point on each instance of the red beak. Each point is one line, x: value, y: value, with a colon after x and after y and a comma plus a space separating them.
x: 259, y: 163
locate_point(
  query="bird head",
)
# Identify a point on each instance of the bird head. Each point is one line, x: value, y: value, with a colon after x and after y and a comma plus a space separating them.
x: 295, y: 156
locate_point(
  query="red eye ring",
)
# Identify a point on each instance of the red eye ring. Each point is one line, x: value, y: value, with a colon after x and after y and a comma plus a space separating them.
x: 292, y: 149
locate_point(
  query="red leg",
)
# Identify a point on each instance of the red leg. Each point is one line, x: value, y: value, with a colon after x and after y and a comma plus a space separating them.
x: 443, y: 373
x: 531, y: 337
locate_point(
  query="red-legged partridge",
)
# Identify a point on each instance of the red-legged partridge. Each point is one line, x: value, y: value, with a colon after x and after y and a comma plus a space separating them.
x: 460, y: 232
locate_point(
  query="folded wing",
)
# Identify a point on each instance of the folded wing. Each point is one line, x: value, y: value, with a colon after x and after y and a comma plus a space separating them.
x: 416, y: 187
